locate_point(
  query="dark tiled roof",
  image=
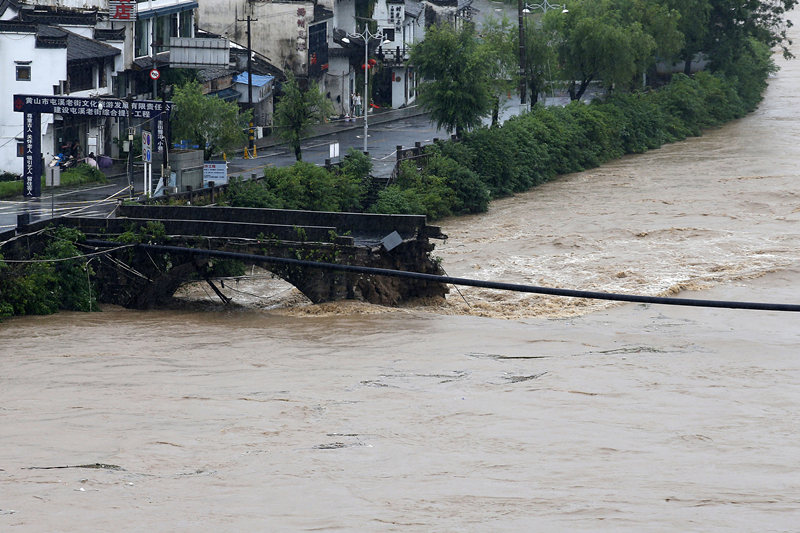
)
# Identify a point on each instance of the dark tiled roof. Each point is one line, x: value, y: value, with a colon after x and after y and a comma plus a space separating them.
x: 5, y: 4
x: 208, y: 74
x: 413, y: 8
x: 55, y: 15
x: 78, y: 48
x: 146, y: 62
x: 322, y: 13
x: 50, y: 37
x: 109, y: 34
x: 15, y: 26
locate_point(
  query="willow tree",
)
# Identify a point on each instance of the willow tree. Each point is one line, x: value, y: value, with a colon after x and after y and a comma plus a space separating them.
x: 298, y: 110
x: 455, y: 90
x: 613, y: 41
x: 208, y: 121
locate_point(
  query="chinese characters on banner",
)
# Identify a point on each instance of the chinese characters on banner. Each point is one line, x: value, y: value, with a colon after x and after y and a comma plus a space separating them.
x: 32, y: 106
x: 301, y: 29
x: 122, y: 9
x: 97, y: 107
x: 32, y: 171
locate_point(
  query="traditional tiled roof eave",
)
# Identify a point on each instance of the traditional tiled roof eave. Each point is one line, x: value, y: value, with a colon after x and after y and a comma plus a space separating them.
x: 5, y: 4
x: 322, y: 13
x: 15, y: 26
x: 59, y: 16
x: 116, y: 34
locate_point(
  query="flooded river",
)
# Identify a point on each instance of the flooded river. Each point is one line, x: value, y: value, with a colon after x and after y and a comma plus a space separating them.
x: 492, y: 412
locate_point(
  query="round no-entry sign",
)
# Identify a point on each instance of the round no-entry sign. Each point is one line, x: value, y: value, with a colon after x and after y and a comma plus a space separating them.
x: 154, y: 74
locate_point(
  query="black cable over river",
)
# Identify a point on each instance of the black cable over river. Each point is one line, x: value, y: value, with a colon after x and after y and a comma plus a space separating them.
x: 494, y: 411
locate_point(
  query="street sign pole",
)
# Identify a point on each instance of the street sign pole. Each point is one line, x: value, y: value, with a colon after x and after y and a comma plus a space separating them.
x: 147, y: 158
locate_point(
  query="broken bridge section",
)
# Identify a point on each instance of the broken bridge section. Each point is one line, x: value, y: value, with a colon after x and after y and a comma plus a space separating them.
x: 138, y: 278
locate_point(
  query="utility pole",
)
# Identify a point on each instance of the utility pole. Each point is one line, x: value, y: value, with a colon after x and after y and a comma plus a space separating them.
x: 153, y: 51
x: 130, y: 144
x: 165, y: 170
x: 522, y: 81
x: 251, y: 133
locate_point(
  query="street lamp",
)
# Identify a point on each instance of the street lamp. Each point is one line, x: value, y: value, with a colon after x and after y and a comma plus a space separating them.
x: 545, y: 7
x: 524, y: 9
x: 366, y: 35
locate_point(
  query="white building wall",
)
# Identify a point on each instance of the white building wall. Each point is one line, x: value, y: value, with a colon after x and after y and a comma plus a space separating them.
x: 340, y: 79
x: 280, y: 33
x: 344, y: 15
x: 48, y: 67
x: 407, y: 31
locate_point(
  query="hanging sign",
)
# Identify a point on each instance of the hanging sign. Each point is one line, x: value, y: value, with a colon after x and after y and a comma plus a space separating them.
x: 122, y: 9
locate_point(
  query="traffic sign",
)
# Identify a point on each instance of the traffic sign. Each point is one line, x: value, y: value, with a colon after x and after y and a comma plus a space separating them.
x: 154, y: 74
x: 147, y: 146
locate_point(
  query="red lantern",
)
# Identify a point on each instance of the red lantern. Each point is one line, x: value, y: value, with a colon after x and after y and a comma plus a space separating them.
x: 372, y: 62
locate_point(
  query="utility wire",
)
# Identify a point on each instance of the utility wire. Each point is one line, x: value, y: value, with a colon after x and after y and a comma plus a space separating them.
x: 571, y: 293
x: 60, y: 259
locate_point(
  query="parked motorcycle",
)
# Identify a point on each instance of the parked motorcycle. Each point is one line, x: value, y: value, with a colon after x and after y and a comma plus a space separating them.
x: 63, y: 161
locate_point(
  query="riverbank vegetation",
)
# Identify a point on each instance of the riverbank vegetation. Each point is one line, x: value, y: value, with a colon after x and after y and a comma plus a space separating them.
x: 612, y: 43
x: 461, y: 176
x: 55, y: 278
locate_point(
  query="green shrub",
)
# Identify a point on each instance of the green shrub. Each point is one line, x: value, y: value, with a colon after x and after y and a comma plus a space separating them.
x: 352, y: 181
x: 249, y: 193
x: 43, y: 287
x: 468, y: 193
x: 398, y: 200
x: 493, y: 159
x: 81, y: 174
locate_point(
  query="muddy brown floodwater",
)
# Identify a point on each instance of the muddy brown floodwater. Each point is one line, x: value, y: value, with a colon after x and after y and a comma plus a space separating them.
x: 492, y: 412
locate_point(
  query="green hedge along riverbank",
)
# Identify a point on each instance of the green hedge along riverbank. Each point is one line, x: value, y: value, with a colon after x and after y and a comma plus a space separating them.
x: 460, y: 177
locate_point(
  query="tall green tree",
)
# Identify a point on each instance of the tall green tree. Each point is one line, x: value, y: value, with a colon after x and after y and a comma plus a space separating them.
x: 733, y: 22
x: 694, y: 25
x: 541, y: 61
x: 455, y: 88
x: 212, y: 123
x: 298, y: 110
x: 614, y: 41
x: 498, y: 45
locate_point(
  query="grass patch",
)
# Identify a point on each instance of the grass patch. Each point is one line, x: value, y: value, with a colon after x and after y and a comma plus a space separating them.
x: 79, y: 175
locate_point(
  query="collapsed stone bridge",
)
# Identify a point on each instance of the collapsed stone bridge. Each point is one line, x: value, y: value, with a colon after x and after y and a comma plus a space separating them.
x: 138, y: 277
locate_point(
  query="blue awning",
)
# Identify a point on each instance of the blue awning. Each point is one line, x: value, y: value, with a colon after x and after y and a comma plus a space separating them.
x: 258, y: 79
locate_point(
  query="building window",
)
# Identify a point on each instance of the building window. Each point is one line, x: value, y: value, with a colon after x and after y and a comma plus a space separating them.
x: 23, y: 73
x: 103, y: 81
x: 142, y: 38
x: 80, y: 76
x: 21, y: 149
x: 186, y: 24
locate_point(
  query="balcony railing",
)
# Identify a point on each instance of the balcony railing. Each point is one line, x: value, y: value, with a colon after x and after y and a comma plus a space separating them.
x: 393, y: 56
